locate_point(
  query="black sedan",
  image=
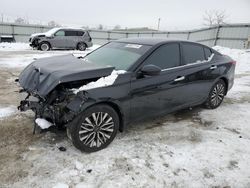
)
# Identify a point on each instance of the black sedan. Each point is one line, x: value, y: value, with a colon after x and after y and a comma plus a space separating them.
x: 122, y: 82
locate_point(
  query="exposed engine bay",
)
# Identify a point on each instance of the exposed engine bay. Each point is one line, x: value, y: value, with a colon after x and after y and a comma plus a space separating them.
x: 48, y: 87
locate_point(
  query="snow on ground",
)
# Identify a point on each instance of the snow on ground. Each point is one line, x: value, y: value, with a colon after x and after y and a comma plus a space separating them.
x: 6, y: 46
x: 190, y: 148
x: 240, y: 56
x: 7, y: 111
x: 19, y: 55
x: 19, y: 46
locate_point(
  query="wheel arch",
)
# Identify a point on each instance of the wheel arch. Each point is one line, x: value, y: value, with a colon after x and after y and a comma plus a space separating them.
x: 226, y: 82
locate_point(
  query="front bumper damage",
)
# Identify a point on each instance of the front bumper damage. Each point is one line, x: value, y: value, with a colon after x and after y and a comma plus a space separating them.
x: 49, y: 83
x: 59, y: 109
x: 34, y: 43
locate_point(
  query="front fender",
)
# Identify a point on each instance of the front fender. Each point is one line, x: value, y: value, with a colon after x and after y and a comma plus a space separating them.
x: 83, y: 101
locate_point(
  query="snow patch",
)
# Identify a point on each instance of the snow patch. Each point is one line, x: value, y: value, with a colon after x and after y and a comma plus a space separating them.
x: 43, y: 123
x: 22, y: 59
x: 84, y: 185
x: 61, y: 185
x: 207, y: 60
x: 101, y: 82
x: 240, y: 56
x: 78, y: 165
x: 7, y: 46
x: 7, y: 111
x: 47, y: 33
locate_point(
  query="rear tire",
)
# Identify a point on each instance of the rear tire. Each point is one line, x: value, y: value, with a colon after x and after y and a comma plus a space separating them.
x: 44, y: 46
x: 95, y: 128
x: 216, y: 95
x: 81, y: 46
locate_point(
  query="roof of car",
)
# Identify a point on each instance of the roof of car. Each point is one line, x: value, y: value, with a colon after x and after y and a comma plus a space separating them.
x: 69, y: 28
x: 148, y: 41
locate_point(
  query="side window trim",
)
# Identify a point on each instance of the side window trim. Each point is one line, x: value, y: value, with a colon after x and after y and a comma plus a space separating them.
x: 210, y: 50
x: 187, y: 65
x: 204, y: 52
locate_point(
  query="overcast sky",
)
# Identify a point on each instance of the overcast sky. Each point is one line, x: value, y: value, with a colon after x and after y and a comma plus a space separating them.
x: 174, y: 14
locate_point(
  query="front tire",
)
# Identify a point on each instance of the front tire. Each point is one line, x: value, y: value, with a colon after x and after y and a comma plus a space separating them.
x: 95, y: 128
x: 44, y: 46
x: 216, y: 95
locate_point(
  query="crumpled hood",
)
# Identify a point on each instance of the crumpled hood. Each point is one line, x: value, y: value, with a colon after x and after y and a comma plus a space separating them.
x: 43, y: 75
x: 37, y: 34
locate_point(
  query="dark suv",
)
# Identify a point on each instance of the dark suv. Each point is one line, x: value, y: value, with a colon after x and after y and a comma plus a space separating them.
x: 123, y: 82
x: 61, y: 38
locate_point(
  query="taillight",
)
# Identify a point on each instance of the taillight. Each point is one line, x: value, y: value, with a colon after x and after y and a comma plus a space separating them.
x: 233, y: 62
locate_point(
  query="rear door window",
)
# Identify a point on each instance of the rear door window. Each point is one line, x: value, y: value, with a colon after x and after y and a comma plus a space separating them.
x: 208, y: 52
x: 166, y: 56
x: 80, y: 33
x: 193, y: 53
x: 70, y: 33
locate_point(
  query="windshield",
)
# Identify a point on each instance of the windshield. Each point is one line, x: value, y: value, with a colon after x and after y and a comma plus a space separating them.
x: 52, y: 31
x: 118, y: 55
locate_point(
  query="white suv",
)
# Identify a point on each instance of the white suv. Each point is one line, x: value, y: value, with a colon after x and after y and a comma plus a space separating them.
x: 61, y: 38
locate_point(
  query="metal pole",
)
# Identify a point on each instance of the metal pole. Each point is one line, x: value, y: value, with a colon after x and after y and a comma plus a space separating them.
x: 159, y: 20
x: 108, y: 35
x: 188, y: 35
x: 216, y: 35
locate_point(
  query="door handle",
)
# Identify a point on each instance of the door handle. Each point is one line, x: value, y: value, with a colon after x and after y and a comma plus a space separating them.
x: 180, y: 78
x: 213, y: 67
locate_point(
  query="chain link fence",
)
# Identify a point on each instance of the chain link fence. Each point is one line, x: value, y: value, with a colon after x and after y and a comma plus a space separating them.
x: 232, y: 36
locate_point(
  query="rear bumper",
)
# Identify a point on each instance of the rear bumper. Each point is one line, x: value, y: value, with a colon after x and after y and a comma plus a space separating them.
x: 89, y: 44
x: 231, y: 74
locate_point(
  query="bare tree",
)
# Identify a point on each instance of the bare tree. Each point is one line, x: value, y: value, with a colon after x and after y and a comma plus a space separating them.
x: 214, y: 17
x: 52, y: 23
x: 20, y: 20
x: 220, y: 17
x: 100, y: 27
x: 208, y: 18
x: 117, y: 27
x: 85, y: 27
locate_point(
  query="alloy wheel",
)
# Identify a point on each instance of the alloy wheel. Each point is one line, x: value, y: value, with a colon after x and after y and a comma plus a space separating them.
x: 217, y: 94
x: 44, y: 47
x: 81, y: 46
x: 96, y: 129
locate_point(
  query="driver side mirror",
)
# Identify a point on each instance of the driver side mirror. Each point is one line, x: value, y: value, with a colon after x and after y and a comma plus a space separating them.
x: 151, y: 70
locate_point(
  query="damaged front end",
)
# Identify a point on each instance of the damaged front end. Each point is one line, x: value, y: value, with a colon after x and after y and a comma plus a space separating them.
x: 47, y: 85
x: 54, y: 107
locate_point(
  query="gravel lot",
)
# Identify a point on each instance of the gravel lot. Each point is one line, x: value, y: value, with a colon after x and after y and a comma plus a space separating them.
x: 190, y: 148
